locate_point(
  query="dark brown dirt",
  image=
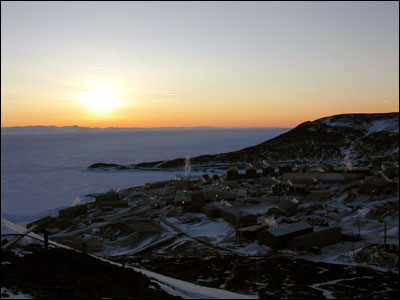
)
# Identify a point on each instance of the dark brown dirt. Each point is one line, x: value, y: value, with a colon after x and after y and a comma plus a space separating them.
x: 278, y: 276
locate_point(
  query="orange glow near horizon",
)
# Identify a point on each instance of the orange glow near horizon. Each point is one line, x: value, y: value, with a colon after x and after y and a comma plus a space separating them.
x: 88, y: 112
x: 220, y: 64
x: 109, y: 106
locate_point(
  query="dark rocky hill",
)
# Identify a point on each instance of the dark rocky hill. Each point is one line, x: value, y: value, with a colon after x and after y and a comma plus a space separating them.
x: 331, y: 138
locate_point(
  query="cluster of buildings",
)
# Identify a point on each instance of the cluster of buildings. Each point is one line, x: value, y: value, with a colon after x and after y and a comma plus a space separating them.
x: 221, y: 197
x: 228, y: 196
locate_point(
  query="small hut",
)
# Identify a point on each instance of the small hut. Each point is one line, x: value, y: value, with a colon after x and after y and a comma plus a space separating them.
x: 268, y: 171
x: 41, y: 223
x: 251, y: 172
x: 215, y: 177
x: 212, y: 210
x: 319, y: 239
x: 112, y: 204
x: 376, y: 187
x: 285, y: 169
x: 158, y: 204
x: 250, y: 232
x: 205, y: 178
x: 279, y: 237
x: 236, y: 216
x: 232, y: 173
x: 72, y: 212
x: 197, y: 200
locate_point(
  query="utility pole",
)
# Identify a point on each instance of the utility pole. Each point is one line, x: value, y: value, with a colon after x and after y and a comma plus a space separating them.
x: 240, y: 228
x: 83, y: 246
x: 352, y: 240
x: 384, y: 234
x: 16, y: 240
x: 46, y: 242
x: 358, y: 224
x: 326, y: 217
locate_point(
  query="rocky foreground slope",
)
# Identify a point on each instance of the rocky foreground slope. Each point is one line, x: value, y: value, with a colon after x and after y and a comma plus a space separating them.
x: 65, y: 274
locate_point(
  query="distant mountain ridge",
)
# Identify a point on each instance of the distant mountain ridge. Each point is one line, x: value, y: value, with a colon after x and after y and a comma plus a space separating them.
x: 44, y: 129
x: 76, y: 128
x: 355, y: 136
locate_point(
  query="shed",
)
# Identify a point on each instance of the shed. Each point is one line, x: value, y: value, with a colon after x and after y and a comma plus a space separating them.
x: 268, y: 171
x: 230, y: 184
x: 72, y: 212
x: 279, y: 237
x: 182, y: 197
x: 109, y: 196
x: 267, y: 181
x: 310, y: 178
x: 41, y: 223
x: 169, y: 200
x: 250, y: 231
x: 391, y: 172
x: 236, y: 216
x: 302, y: 169
x: 158, y: 204
x: 113, y: 204
x: 288, y: 205
x: 157, y: 184
x: 197, y: 200
x: 295, y: 188
x: 301, y: 188
x: 254, y: 192
x: 285, y: 169
x: 352, y: 176
x: 232, y: 173
x: 376, y: 187
x: 251, y: 172
x: 320, y: 239
x: 205, y: 177
x: 279, y: 188
x: 216, y: 194
x: 355, y: 170
x: 60, y: 224
x: 212, y: 210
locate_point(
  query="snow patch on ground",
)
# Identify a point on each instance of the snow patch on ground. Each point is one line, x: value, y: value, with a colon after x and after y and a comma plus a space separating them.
x: 8, y: 227
x: 383, y: 125
x: 328, y: 121
x: 189, y: 290
x: 254, y: 249
x: 12, y: 295
x: 211, y: 229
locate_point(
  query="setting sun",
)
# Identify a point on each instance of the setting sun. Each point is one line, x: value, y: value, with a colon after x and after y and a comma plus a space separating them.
x: 101, y: 100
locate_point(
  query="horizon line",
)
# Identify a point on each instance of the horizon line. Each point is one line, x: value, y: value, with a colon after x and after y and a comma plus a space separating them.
x: 164, y: 127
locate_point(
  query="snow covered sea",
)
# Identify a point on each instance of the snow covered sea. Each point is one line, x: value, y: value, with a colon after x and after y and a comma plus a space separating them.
x: 45, y: 171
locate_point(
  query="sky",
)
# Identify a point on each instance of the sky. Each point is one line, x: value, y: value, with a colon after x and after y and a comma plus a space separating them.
x: 172, y: 64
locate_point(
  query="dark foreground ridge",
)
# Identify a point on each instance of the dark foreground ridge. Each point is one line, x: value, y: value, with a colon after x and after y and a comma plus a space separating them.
x: 65, y: 274
x: 280, y: 277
